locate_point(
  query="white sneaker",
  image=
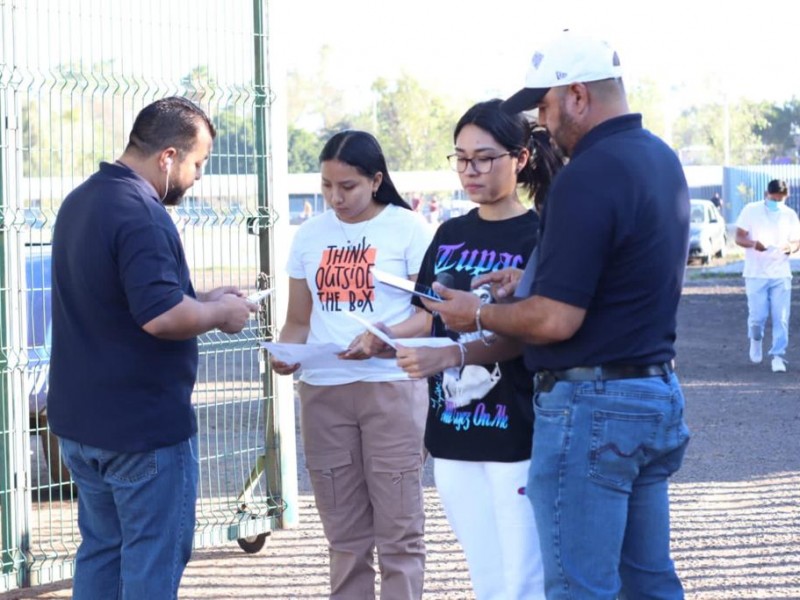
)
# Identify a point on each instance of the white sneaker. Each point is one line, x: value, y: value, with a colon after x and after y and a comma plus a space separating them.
x: 755, y: 351
x: 778, y: 364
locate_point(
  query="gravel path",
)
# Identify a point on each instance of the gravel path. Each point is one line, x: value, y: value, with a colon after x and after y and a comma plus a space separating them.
x: 735, y: 503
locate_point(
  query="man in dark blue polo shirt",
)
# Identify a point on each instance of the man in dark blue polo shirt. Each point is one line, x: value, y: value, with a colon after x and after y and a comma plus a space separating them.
x: 124, y: 357
x: 599, y: 316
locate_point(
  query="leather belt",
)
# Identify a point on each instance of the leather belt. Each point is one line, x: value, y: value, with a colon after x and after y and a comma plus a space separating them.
x: 545, y: 380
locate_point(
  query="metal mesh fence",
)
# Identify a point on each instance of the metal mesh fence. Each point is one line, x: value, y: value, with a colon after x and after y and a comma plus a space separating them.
x: 73, y: 75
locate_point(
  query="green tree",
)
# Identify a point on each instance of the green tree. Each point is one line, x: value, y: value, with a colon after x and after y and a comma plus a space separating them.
x: 314, y: 102
x: 304, y: 149
x: 701, y: 134
x: 79, y: 123
x: 414, y: 125
x: 198, y: 85
x: 780, y: 130
x: 647, y: 98
x: 234, y: 147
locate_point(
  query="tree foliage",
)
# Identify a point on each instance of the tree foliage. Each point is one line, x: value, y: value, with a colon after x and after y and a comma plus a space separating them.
x: 648, y: 99
x: 315, y: 103
x: 780, y: 130
x: 304, y: 149
x: 413, y: 125
x: 234, y: 148
x: 83, y: 119
x: 701, y: 134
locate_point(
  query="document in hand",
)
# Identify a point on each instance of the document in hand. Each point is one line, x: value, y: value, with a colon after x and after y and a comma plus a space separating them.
x: 310, y: 356
x: 433, y: 342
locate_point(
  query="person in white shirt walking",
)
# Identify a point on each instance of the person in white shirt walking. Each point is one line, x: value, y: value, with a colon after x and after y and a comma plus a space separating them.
x: 769, y: 231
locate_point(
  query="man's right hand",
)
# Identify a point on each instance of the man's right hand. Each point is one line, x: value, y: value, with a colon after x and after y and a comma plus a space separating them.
x: 503, y: 282
x: 236, y: 312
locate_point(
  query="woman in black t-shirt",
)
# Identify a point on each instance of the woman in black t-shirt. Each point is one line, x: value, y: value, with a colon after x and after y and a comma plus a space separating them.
x: 480, y: 418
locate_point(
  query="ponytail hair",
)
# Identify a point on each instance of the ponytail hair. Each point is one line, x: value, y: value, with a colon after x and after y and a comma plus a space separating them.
x: 515, y: 133
x: 544, y: 162
x: 362, y: 151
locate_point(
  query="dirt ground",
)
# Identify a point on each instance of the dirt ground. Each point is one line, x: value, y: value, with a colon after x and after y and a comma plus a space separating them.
x: 735, y: 503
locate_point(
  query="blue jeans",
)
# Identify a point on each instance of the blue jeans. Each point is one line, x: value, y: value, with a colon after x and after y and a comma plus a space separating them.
x: 136, y: 518
x: 769, y: 298
x: 602, y: 454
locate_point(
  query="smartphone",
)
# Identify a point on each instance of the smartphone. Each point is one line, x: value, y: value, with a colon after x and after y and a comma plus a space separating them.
x: 401, y: 283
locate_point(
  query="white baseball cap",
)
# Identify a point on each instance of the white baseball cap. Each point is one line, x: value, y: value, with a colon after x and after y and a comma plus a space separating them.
x: 567, y: 58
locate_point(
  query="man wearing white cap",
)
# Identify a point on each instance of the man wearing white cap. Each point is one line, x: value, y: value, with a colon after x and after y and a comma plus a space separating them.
x: 597, y: 309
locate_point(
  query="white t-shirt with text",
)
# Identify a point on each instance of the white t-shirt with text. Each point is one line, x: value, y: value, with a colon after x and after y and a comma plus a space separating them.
x: 338, y: 275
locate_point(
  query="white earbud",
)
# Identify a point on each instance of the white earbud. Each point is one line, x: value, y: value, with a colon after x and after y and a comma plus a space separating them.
x: 168, y: 162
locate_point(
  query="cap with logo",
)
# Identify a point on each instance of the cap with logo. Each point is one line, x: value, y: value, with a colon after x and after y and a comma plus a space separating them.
x: 567, y: 58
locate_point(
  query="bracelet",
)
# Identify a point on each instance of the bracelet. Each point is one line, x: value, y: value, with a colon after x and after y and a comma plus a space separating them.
x: 486, y: 337
x: 463, y: 350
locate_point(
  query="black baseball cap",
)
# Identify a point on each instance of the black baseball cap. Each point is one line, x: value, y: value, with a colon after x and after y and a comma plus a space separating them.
x: 778, y: 186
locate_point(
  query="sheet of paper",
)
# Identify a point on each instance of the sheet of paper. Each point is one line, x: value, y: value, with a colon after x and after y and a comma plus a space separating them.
x: 432, y: 342
x: 310, y: 356
x: 774, y: 252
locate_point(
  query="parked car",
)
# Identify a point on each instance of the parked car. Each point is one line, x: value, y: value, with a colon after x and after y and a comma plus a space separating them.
x: 708, y: 236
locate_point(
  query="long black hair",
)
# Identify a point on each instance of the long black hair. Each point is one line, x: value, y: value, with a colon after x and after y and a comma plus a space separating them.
x: 515, y: 133
x: 362, y: 151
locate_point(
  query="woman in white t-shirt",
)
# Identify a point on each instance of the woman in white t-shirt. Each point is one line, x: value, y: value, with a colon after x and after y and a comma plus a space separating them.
x: 362, y: 420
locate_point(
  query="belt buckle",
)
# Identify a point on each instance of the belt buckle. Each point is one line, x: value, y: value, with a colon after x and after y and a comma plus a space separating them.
x: 543, y: 381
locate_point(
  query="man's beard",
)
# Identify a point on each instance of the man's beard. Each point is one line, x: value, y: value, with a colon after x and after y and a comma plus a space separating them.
x: 567, y: 133
x: 174, y: 195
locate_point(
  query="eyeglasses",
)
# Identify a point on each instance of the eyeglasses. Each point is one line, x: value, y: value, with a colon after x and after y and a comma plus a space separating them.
x: 480, y: 164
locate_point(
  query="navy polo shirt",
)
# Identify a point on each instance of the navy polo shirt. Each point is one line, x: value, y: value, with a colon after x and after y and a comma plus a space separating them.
x: 117, y: 263
x: 614, y: 240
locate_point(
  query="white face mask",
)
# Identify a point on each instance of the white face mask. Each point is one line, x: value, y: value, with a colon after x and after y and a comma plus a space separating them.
x: 473, y: 383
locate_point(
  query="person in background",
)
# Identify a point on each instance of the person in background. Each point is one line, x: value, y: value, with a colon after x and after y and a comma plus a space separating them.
x: 769, y: 231
x: 124, y: 357
x: 308, y: 210
x: 480, y: 418
x: 717, y: 201
x: 598, y: 314
x: 361, y: 421
x: 434, y: 210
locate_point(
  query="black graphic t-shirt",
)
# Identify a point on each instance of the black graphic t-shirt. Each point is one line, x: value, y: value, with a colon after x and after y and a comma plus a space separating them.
x: 499, y: 426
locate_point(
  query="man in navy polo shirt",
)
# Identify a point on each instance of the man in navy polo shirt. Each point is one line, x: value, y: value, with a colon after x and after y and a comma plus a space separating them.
x: 598, y: 312
x: 124, y: 357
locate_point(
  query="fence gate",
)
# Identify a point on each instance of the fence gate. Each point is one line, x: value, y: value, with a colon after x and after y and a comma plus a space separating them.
x: 73, y: 75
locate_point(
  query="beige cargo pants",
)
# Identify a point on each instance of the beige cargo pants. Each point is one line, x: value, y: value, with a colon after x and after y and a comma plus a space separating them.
x: 363, y: 444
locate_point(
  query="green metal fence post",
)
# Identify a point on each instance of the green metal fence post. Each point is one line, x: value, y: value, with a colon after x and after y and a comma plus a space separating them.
x: 13, y: 561
x: 261, y: 107
x: 5, y: 418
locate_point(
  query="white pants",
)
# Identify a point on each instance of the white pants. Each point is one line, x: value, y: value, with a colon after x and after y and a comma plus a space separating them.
x: 492, y: 518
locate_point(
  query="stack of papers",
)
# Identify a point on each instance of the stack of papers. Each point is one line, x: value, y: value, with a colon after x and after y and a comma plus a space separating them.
x: 325, y: 356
